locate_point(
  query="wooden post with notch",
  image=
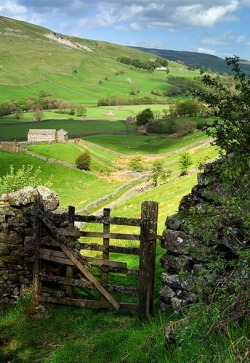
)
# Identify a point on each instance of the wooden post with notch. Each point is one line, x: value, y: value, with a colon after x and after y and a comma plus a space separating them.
x: 69, y: 269
x: 38, y: 233
x: 149, y: 217
x: 105, y: 255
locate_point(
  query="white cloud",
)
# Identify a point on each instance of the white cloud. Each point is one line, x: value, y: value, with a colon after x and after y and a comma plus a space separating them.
x: 198, y: 15
x: 206, y: 51
x: 135, y: 26
x: 12, y: 8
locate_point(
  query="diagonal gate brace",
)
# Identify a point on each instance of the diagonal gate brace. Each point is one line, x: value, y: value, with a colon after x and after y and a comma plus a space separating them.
x: 76, y: 258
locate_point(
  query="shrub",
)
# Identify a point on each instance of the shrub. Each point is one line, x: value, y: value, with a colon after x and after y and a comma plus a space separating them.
x: 22, y: 177
x: 83, y: 161
x: 136, y: 164
x: 144, y: 117
x: 185, y: 162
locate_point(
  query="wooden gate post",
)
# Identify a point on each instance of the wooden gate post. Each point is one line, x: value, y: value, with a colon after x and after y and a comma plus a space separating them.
x: 149, y: 217
x: 69, y: 269
x: 38, y: 233
x: 105, y: 254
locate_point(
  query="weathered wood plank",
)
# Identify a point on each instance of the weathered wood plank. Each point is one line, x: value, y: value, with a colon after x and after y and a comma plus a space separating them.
x: 105, y: 253
x: 111, y: 248
x: 149, y: 215
x: 76, y: 258
x: 132, y: 291
x: 66, y: 281
x: 123, y: 236
x: 86, y: 303
x: 69, y: 269
x: 101, y: 262
x: 38, y: 232
x: 55, y: 256
x: 125, y: 250
x: 109, y: 220
x: 120, y: 270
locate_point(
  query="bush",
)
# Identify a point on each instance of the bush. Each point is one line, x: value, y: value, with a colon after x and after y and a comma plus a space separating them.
x: 16, y: 180
x: 185, y: 162
x: 231, y: 108
x: 83, y: 161
x: 183, y: 127
x: 155, y: 127
x: 144, y: 117
x: 136, y: 164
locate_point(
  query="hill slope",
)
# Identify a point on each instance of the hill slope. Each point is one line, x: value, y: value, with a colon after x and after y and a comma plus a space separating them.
x: 35, y: 58
x: 216, y: 64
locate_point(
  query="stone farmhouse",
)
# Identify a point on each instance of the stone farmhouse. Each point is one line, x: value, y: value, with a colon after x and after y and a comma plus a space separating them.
x: 47, y: 135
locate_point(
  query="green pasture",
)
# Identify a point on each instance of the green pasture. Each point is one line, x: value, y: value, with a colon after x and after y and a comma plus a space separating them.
x: 138, y: 144
x: 69, y: 153
x: 78, y: 335
x: 73, y: 186
x: 104, y: 160
x: 20, y: 130
x: 73, y: 73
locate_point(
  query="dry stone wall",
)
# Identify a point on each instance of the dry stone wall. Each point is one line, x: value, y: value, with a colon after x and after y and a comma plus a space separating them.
x: 17, y: 238
x: 186, y: 255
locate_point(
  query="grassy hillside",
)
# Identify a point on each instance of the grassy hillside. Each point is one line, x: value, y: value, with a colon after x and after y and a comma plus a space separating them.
x: 35, y: 58
x: 213, y: 62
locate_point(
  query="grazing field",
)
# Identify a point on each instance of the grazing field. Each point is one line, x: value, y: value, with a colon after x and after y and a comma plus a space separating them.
x: 84, y: 72
x: 19, y: 131
x: 79, y: 335
x: 137, y: 144
x: 73, y: 186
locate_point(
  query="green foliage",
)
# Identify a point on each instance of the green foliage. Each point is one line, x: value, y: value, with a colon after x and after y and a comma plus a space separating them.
x: 184, y: 163
x: 144, y: 117
x: 136, y: 164
x: 20, y: 178
x: 149, y: 65
x: 231, y: 107
x: 186, y: 108
x: 184, y: 85
x: 158, y: 172
x: 83, y: 161
x: 182, y: 127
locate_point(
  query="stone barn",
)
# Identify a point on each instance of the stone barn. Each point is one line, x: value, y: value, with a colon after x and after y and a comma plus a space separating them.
x: 47, y: 135
x: 131, y: 120
x: 62, y: 135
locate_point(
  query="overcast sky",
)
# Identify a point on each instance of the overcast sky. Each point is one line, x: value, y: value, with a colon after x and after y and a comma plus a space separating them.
x: 219, y: 27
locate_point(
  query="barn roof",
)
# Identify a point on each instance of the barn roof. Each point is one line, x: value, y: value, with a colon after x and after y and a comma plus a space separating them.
x: 42, y: 131
x: 62, y: 131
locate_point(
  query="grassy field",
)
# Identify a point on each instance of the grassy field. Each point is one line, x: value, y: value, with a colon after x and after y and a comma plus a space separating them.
x: 90, y: 71
x: 136, y: 144
x: 79, y: 78
x: 73, y: 186
x: 82, y: 335
x: 74, y: 128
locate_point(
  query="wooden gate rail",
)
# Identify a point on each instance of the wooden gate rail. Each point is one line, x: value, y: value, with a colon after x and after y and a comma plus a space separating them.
x: 60, y: 251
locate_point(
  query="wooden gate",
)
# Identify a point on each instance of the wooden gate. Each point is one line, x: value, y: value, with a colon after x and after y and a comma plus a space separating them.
x: 74, y: 265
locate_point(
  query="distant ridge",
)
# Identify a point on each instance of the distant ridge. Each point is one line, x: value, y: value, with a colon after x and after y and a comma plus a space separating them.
x: 213, y: 62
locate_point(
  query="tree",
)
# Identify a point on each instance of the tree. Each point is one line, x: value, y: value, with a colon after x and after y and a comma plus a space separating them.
x: 83, y: 161
x: 37, y: 114
x: 202, y: 70
x: 136, y: 164
x: 231, y: 109
x: 185, y: 162
x: 81, y: 110
x: 144, y: 117
x: 158, y: 172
